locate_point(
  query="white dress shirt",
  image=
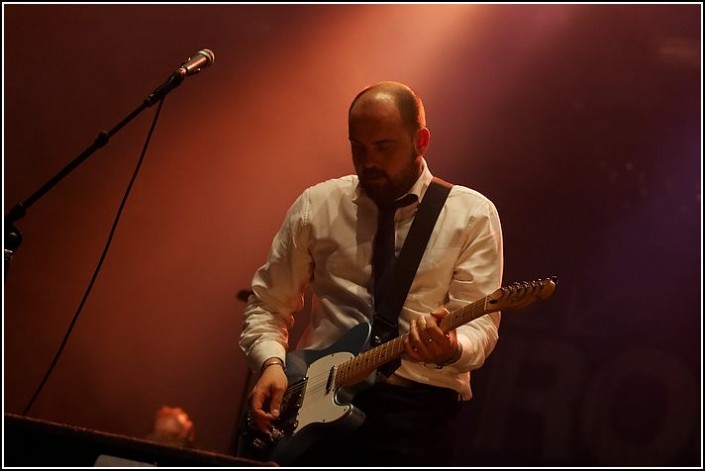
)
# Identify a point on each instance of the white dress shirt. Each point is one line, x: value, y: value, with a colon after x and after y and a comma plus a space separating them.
x: 326, y: 241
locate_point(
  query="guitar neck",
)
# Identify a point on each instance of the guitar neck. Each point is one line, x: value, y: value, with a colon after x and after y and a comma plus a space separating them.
x: 358, y: 368
x: 515, y: 296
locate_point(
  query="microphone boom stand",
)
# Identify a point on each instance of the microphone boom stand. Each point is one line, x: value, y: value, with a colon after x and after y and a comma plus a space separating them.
x: 13, y: 236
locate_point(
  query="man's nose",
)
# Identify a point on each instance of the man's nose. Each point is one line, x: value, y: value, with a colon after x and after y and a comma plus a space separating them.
x: 370, y: 159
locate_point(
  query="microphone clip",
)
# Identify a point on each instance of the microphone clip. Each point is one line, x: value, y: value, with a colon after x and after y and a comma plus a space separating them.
x: 161, y: 91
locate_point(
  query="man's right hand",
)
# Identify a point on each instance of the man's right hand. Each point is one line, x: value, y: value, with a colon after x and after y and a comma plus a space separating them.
x: 267, y: 395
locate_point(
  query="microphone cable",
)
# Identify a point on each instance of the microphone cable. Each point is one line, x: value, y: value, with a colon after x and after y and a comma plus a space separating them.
x: 100, y: 264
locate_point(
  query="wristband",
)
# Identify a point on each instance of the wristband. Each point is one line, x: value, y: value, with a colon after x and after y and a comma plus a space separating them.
x: 272, y: 361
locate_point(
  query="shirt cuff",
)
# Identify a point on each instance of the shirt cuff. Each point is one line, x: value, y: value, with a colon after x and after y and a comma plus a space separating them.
x: 264, y: 350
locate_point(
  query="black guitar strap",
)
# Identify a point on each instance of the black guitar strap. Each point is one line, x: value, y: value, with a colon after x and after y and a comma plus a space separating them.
x: 385, y: 325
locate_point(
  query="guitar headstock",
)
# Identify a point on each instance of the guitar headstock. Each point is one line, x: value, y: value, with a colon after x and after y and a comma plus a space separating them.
x: 521, y: 294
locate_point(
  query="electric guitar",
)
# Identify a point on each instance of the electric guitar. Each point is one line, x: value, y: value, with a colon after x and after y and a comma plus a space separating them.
x: 323, y: 382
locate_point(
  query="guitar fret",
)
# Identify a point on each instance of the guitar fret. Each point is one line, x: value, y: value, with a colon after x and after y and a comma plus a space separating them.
x: 504, y: 298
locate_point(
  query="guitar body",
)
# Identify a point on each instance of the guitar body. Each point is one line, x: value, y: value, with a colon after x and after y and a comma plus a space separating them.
x: 312, y: 405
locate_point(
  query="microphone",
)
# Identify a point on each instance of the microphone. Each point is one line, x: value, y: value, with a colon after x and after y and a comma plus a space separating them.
x: 193, y: 65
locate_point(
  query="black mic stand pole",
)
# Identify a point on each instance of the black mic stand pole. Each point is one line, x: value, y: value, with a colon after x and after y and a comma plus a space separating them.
x: 13, y: 236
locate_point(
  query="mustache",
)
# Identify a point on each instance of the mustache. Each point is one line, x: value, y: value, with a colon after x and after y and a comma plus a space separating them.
x: 373, y: 173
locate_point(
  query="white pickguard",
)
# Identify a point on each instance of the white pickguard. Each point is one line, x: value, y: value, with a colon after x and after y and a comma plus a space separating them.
x: 319, y: 405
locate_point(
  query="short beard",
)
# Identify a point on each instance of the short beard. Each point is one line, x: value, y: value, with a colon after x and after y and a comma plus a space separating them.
x: 384, y: 195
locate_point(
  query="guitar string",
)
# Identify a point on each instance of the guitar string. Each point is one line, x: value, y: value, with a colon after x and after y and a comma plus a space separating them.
x: 351, y: 367
x: 322, y: 380
x: 462, y: 316
x: 319, y: 381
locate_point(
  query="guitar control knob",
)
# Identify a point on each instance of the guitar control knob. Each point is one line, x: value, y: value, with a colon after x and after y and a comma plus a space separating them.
x: 258, y: 443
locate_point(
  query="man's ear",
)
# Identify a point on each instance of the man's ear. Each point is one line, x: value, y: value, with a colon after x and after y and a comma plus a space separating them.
x: 422, y: 139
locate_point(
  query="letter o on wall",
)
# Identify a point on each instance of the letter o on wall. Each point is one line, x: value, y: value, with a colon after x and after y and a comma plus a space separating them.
x: 680, y: 410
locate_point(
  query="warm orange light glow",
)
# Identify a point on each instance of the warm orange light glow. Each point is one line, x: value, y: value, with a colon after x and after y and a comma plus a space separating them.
x: 581, y: 122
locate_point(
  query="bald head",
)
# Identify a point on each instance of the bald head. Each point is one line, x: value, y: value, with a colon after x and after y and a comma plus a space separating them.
x: 388, y: 138
x: 407, y: 102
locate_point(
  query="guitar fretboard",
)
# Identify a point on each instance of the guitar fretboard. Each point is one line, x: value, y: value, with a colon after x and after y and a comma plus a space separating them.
x: 515, y: 296
x: 358, y: 368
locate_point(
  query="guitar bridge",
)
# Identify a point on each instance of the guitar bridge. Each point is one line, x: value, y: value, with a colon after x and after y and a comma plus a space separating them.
x: 282, y: 427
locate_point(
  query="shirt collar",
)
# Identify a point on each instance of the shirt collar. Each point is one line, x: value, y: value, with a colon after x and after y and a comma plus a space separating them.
x: 418, y: 188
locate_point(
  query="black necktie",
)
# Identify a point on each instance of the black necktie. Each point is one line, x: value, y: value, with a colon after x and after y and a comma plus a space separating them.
x: 386, y: 327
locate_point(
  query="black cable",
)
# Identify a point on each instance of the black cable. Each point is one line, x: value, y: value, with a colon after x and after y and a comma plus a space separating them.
x: 100, y: 263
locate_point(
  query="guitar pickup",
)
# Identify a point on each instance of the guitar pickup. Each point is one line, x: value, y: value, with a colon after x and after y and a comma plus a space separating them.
x: 331, y: 379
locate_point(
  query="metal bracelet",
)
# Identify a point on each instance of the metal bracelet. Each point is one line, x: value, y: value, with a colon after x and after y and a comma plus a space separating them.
x: 272, y: 361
